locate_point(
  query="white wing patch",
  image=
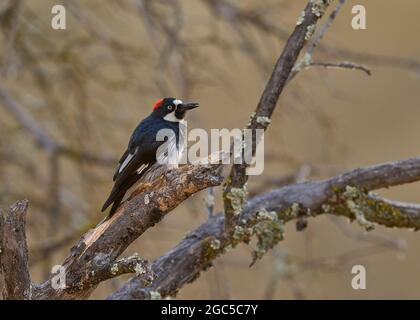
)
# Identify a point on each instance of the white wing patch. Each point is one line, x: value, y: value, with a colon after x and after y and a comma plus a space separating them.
x: 142, y: 168
x: 127, y: 160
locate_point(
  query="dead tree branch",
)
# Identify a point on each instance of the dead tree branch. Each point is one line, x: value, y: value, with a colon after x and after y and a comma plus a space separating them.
x: 14, y: 254
x: 234, y: 193
x: 93, y: 258
x: 1, y: 251
x: 339, y: 196
x: 150, y: 202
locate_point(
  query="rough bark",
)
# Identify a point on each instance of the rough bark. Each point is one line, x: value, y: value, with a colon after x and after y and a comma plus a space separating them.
x: 94, y: 257
x: 196, y: 252
x: 14, y: 255
x: 99, y: 248
x: 1, y: 252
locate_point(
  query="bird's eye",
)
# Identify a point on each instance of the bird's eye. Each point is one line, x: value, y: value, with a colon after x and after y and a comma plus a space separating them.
x: 170, y: 107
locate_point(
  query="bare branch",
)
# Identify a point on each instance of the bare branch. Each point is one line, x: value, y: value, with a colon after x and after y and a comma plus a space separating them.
x: 268, y: 101
x: 196, y: 252
x: 342, y: 65
x: 14, y: 260
x: 160, y: 192
x: 323, y: 30
x: 16, y: 10
x: 306, y: 61
x: 132, y: 264
x: 1, y: 252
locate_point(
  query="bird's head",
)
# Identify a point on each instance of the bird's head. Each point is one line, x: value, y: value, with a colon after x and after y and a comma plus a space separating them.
x: 172, y: 109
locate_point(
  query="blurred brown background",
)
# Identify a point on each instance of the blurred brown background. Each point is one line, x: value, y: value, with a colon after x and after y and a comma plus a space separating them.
x: 89, y: 85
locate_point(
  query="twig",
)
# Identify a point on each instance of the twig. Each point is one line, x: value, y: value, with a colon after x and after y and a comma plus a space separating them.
x: 313, y: 43
x: 234, y: 193
x: 132, y: 264
x: 209, y: 202
x: 306, y: 61
x: 342, y: 65
x: 16, y: 9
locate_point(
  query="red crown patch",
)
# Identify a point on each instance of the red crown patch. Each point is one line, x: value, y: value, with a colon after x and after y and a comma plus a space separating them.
x: 157, y: 104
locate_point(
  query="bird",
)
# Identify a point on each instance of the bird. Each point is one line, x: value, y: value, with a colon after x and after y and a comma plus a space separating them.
x: 145, y: 147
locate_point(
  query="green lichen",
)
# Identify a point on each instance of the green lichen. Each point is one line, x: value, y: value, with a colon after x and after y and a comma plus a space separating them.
x: 355, y: 203
x: 266, y: 227
x: 391, y: 216
x: 215, y: 244
x: 251, y: 118
x: 114, y: 269
x: 237, y: 198
x: 320, y: 6
x: 326, y: 208
x: 351, y: 193
x: 269, y: 231
x: 264, y: 121
x: 263, y: 214
x: 289, y: 213
x: 360, y: 217
x: 310, y: 30
x: 139, y: 269
x: 295, y: 209
x: 155, y: 295
x: 303, y: 63
x: 301, y: 18
x: 241, y: 234
x: 211, y: 248
x: 227, y: 248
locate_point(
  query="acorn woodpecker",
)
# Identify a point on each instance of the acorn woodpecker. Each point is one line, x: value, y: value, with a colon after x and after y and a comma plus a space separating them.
x: 145, y: 147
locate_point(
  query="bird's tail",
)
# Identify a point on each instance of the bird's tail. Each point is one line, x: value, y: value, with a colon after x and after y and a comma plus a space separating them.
x: 115, y: 199
x: 118, y: 192
x: 115, y: 205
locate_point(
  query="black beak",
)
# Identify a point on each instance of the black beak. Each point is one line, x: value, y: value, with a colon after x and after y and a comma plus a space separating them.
x: 188, y: 106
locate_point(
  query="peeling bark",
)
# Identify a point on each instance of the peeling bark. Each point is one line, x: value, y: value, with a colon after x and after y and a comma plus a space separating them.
x: 195, y: 253
x: 159, y: 193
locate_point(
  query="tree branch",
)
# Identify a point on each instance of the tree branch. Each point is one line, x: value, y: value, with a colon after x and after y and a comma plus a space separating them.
x: 342, y: 65
x: 1, y: 252
x: 159, y: 193
x: 338, y: 196
x: 234, y: 193
x: 132, y: 264
x: 14, y: 255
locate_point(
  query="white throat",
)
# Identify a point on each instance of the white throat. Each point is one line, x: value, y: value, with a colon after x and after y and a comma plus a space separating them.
x: 172, y: 118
